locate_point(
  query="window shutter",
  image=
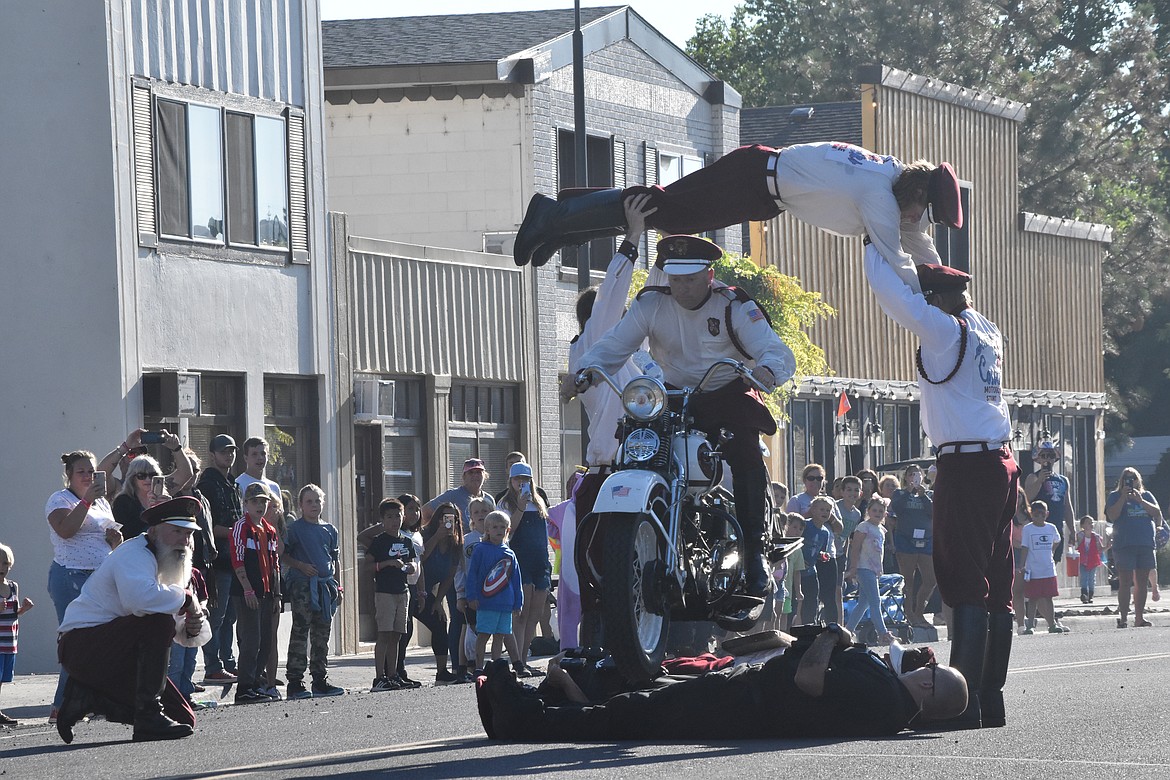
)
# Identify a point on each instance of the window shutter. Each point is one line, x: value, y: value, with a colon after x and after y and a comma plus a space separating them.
x: 651, y: 172
x: 558, y: 143
x: 298, y: 210
x: 618, y: 155
x: 143, y: 129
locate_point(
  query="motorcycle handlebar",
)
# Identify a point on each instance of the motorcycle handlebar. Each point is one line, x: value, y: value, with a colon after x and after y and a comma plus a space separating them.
x: 583, y: 381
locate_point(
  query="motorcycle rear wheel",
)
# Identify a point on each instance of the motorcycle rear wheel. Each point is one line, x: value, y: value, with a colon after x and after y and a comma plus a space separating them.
x: 634, y: 614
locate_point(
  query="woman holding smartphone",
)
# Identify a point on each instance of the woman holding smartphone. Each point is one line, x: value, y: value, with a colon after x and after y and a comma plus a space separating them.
x: 144, y: 485
x: 82, y: 529
x: 913, y: 506
x: 1135, y: 516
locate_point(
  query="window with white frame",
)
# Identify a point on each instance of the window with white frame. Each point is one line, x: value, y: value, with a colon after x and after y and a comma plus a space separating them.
x: 219, y: 174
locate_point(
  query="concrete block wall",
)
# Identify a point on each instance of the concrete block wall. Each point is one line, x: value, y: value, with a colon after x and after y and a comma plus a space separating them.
x: 431, y: 172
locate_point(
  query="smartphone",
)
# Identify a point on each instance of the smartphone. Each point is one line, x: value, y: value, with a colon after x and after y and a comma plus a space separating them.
x: 99, y: 479
x: 158, y: 486
x: 151, y: 437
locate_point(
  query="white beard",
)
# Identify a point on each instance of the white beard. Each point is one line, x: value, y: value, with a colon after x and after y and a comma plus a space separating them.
x: 174, y: 564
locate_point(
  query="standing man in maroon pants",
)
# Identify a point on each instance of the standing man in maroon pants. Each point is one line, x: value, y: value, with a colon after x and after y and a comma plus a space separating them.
x: 960, y: 362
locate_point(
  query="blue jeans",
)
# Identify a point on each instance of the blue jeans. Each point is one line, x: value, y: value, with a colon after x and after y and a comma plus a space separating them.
x: 64, y: 587
x: 182, y: 668
x: 1088, y: 576
x: 869, y: 601
x: 217, y: 653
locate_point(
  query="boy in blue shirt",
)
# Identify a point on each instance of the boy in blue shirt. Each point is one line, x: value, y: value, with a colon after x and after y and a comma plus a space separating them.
x: 819, y: 575
x: 493, y: 586
x: 311, y: 562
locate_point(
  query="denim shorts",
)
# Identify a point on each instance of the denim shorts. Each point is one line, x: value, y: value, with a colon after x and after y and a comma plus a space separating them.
x: 1133, y: 558
x: 489, y: 621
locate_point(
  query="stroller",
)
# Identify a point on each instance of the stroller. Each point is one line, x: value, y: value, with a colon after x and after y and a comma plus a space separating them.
x: 890, y: 587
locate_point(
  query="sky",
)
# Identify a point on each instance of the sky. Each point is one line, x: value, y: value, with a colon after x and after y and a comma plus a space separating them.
x: 673, y: 18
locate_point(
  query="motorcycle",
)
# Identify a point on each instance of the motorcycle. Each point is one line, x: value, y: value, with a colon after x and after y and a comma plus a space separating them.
x: 662, y: 542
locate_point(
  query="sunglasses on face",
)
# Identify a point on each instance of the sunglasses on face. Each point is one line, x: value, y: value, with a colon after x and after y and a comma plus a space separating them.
x: 146, y: 474
x: 814, y: 479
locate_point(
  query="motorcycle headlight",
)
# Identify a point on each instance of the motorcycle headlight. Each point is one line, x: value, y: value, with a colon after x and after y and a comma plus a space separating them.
x: 644, y: 398
x: 641, y: 445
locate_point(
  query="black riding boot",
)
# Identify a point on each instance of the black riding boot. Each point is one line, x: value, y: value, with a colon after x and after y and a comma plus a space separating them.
x: 551, y: 224
x: 149, y: 721
x: 76, y: 703
x: 750, y: 508
x: 995, y: 668
x: 968, y: 635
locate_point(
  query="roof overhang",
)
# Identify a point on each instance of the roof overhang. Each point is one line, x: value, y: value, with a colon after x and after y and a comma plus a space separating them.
x: 943, y: 91
x: 540, y: 62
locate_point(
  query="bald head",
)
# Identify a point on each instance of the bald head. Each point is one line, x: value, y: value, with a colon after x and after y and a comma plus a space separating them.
x: 940, y: 691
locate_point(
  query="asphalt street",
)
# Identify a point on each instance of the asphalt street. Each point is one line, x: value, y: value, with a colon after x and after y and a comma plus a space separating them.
x: 1089, y: 704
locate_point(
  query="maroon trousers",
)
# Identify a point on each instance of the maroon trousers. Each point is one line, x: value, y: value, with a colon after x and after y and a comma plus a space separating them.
x: 729, y: 191
x: 974, y: 501
x: 105, y: 659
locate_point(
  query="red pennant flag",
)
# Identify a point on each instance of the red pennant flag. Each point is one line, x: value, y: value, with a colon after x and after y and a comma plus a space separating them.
x: 843, y: 405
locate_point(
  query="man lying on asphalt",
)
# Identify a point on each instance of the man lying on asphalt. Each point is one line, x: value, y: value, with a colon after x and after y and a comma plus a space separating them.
x: 819, y: 687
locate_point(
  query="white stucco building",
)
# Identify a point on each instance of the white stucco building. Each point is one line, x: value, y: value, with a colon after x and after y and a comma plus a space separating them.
x: 162, y: 214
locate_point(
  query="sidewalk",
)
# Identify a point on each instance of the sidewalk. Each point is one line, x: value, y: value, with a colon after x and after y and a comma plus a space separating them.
x: 27, y: 698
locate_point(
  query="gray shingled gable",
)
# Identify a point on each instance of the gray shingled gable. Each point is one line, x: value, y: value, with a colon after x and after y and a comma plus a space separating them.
x: 775, y: 126
x: 455, y: 38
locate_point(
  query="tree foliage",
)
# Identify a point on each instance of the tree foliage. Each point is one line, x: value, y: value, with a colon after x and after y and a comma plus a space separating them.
x: 1096, y: 142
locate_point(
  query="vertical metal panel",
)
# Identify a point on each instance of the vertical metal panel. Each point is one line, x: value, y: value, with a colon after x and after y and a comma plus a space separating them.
x: 1043, y: 291
x: 245, y: 47
x: 415, y: 316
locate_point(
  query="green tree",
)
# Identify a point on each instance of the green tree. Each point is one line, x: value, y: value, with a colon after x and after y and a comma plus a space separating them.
x: 1096, y: 143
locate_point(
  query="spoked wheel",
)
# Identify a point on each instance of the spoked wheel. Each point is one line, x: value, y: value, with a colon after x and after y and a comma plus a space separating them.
x: 633, y: 602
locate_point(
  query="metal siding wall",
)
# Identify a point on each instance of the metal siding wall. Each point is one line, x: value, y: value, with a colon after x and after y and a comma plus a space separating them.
x: 424, y: 317
x: 245, y: 47
x: 1043, y: 291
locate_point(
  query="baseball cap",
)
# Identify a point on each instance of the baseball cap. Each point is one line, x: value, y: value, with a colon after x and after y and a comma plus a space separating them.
x: 257, y: 490
x: 222, y: 442
x: 520, y: 470
x: 473, y: 463
x: 1047, y: 446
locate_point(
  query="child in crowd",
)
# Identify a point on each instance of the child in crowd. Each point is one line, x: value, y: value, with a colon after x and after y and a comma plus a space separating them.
x: 477, y: 510
x: 1039, y: 540
x: 865, y: 566
x: 11, y: 608
x: 395, y: 559
x: 850, y: 514
x: 793, y: 595
x: 818, y: 580
x: 1089, y: 547
x: 529, y: 540
x: 255, y: 554
x: 181, y: 667
x: 312, y: 561
x: 493, y: 587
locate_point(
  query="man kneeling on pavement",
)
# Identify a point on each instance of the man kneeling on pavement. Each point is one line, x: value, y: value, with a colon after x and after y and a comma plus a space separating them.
x: 822, y: 685
x: 116, y: 637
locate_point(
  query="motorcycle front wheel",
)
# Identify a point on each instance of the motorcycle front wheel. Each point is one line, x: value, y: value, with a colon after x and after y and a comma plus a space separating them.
x: 634, y: 613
